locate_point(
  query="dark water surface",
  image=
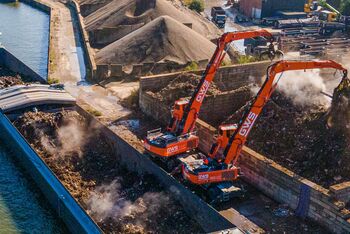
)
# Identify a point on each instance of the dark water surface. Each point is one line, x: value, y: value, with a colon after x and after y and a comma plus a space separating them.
x: 25, y: 33
x: 23, y: 209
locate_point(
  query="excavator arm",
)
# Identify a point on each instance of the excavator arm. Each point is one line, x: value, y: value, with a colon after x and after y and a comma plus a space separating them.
x: 238, y: 139
x: 187, y: 120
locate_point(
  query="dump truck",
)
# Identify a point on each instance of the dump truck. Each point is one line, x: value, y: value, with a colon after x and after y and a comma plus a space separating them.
x: 218, y: 16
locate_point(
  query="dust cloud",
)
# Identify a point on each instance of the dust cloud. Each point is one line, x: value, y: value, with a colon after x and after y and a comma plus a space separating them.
x: 109, y: 201
x: 69, y: 139
x: 304, y: 88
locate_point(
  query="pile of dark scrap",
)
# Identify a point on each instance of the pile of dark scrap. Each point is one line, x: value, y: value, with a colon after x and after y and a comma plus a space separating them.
x: 182, y: 86
x: 8, y: 78
x: 324, y: 46
x: 312, y: 44
x: 86, y: 164
x: 312, y: 142
x: 7, y: 81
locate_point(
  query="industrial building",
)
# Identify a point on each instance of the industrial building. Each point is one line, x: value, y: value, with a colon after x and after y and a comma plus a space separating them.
x: 266, y: 8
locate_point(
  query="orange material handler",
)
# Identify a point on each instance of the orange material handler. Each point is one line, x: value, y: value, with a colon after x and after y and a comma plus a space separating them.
x: 213, y: 171
x: 179, y: 136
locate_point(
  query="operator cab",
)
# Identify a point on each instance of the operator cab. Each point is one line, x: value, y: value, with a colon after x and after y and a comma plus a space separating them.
x: 227, y: 130
x: 180, y: 105
x: 163, y: 140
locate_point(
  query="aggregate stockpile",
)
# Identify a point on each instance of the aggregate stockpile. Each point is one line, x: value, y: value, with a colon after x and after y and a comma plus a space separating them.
x: 310, y: 140
x: 129, y: 15
x: 162, y: 40
x: 119, y: 201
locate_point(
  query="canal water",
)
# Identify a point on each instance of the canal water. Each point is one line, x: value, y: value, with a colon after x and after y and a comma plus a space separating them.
x: 23, y: 209
x: 25, y: 33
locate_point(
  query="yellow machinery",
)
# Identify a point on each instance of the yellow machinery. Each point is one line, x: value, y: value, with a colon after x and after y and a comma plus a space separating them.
x: 330, y: 15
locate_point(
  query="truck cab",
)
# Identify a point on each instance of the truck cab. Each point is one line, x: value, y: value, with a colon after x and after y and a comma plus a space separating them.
x: 218, y: 15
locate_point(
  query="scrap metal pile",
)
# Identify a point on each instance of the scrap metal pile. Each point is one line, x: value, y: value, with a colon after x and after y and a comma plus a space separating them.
x: 182, y: 86
x: 312, y: 142
x: 119, y: 201
x: 8, y: 78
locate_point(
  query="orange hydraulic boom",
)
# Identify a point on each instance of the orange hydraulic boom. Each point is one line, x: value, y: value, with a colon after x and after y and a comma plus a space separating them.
x: 212, y: 170
x: 179, y: 136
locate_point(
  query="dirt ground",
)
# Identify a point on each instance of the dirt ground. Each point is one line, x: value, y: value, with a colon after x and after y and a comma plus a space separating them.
x: 119, y: 201
x: 302, y: 138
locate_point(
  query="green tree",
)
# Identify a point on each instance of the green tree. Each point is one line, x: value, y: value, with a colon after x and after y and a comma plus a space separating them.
x: 345, y: 7
x: 196, y: 5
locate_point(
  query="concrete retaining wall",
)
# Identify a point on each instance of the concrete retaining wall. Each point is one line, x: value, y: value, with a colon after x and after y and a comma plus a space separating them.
x: 11, y: 62
x: 224, y: 104
x: 284, y: 186
x: 326, y: 207
x: 75, y: 218
x: 106, y: 71
x: 209, y: 219
x: 227, y: 78
x: 341, y: 192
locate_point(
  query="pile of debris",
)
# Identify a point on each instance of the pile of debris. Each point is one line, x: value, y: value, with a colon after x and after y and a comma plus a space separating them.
x: 307, y: 140
x: 8, y: 78
x: 181, y: 87
x: 80, y: 156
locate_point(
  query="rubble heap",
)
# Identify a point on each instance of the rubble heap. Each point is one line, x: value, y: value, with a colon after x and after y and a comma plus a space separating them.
x: 339, y: 114
x: 85, y: 163
x: 301, y: 139
x: 182, y: 86
x: 8, y: 78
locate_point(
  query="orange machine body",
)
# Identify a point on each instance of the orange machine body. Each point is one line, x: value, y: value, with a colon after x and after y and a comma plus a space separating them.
x: 209, y: 169
x: 169, y: 145
x: 185, y: 112
x: 209, y: 176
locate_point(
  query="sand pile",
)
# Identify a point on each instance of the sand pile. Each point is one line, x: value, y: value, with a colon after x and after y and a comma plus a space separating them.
x: 163, y: 39
x: 118, y: 200
x: 130, y: 15
x: 181, y: 87
x: 300, y: 139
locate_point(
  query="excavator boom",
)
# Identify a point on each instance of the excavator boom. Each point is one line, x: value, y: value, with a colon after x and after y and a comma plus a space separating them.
x: 179, y: 137
x: 219, y: 178
x: 238, y: 139
x: 192, y: 109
